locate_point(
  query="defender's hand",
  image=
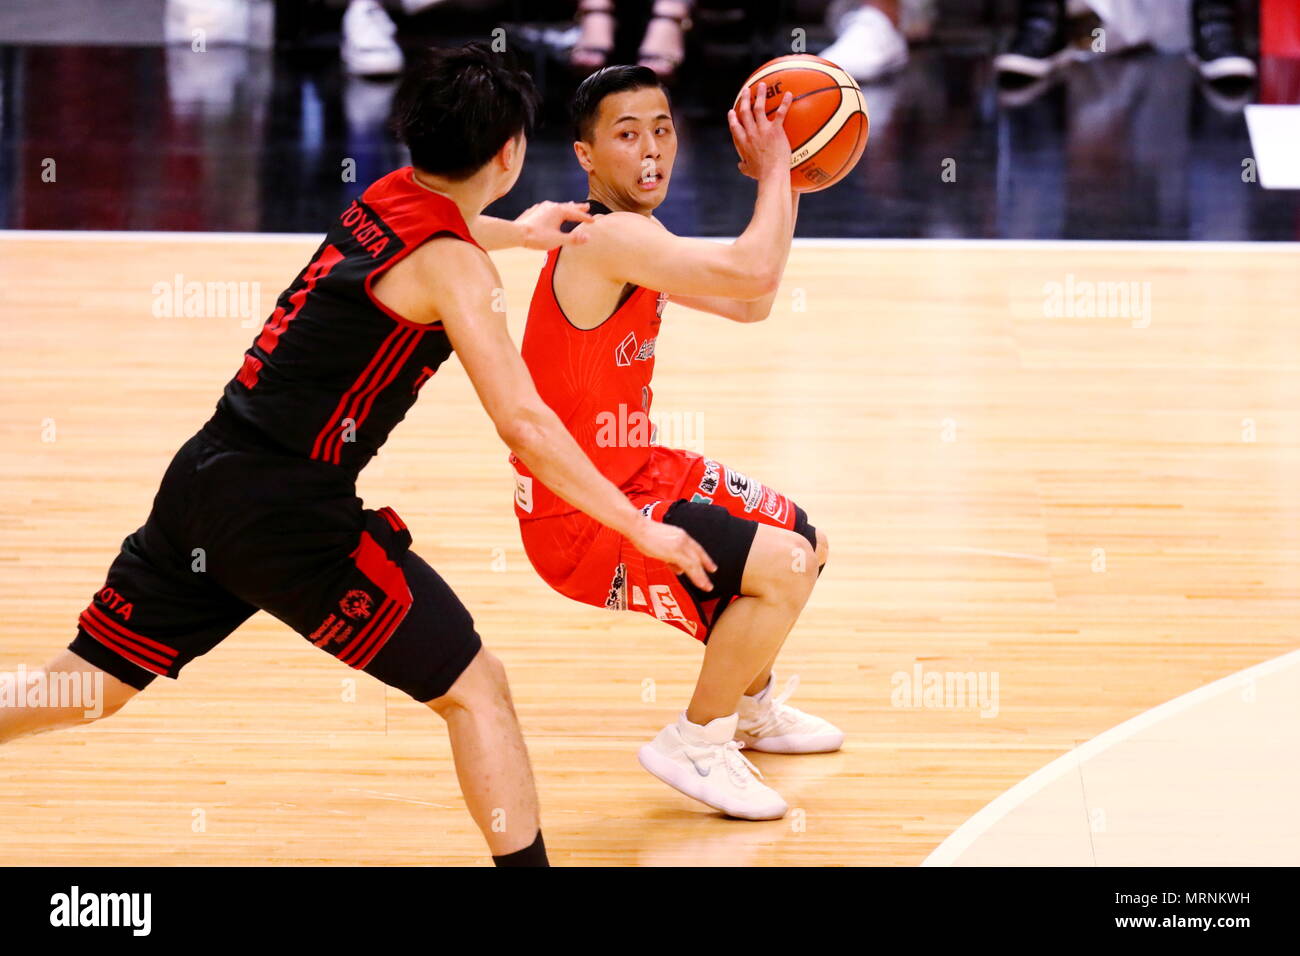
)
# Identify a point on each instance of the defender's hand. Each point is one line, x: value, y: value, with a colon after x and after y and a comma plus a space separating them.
x: 676, y: 548
x: 542, y: 224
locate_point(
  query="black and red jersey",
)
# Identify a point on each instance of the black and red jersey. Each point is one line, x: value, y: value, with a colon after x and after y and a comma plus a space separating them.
x: 334, y: 370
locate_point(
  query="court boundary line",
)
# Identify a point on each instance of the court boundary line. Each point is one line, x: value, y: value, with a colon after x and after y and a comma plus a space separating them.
x: 1181, y: 245
x: 961, y: 839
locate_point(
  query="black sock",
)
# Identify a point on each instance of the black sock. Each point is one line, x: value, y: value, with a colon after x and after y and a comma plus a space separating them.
x: 532, y: 855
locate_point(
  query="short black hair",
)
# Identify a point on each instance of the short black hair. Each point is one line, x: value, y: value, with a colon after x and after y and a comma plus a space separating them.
x: 612, y: 79
x: 456, y: 107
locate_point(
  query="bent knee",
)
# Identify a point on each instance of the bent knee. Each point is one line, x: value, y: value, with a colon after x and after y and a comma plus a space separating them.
x: 781, y: 563
x: 111, y: 705
x: 482, y: 684
x: 86, y: 690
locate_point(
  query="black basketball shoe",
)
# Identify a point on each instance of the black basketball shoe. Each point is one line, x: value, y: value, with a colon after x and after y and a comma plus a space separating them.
x: 1217, y: 51
x: 1041, y: 42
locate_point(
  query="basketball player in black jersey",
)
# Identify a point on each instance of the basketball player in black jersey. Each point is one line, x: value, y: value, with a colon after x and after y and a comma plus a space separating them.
x: 265, y: 492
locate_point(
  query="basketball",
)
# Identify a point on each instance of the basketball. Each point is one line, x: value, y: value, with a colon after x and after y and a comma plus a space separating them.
x: 827, y: 122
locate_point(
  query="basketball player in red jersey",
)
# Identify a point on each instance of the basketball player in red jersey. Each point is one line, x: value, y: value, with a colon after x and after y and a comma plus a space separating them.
x: 259, y: 509
x: 590, y: 344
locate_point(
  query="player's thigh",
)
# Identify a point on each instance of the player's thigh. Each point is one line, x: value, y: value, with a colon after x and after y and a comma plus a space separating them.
x: 155, y: 613
x: 368, y: 600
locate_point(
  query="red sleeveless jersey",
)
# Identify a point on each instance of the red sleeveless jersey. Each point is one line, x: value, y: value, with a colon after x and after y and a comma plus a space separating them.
x: 596, y: 380
x: 333, y: 370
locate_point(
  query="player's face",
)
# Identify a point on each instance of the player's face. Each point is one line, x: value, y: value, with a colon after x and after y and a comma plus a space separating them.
x: 633, y: 147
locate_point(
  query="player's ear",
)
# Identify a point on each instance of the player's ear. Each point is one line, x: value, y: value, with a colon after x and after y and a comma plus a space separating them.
x: 583, y: 152
x: 511, y: 153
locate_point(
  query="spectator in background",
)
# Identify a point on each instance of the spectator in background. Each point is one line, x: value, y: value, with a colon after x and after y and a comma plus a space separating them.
x: 1041, y: 43
x: 663, y: 46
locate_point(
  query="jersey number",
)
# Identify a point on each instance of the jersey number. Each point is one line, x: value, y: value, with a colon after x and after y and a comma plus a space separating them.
x: 275, y: 326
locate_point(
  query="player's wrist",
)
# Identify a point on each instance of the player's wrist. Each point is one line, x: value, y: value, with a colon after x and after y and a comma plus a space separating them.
x: 631, y: 523
x: 522, y: 232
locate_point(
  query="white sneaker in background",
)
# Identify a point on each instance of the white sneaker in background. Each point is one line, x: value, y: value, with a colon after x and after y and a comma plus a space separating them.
x: 704, y: 762
x: 869, y: 46
x: 369, y: 47
x: 209, y: 22
x: 411, y: 7
x: 769, y: 725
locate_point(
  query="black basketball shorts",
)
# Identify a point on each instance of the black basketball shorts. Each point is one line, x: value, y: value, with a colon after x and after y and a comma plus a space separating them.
x: 234, y: 530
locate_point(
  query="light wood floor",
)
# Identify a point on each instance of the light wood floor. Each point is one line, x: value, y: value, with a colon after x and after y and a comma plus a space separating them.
x: 975, y: 554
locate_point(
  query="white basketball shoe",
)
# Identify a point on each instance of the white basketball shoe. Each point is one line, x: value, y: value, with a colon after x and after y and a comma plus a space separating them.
x: 704, y: 762
x: 770, y: 725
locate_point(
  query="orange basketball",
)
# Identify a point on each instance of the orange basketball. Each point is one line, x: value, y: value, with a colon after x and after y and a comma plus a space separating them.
x: 827, y: 123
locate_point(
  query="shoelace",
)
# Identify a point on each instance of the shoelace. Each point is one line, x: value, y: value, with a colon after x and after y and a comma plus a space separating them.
x: 729, y: 755
x: 775, y: 713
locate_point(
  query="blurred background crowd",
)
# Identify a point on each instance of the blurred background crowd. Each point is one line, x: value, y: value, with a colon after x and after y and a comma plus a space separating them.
x: 868, y: 38
x: 1057, y: 118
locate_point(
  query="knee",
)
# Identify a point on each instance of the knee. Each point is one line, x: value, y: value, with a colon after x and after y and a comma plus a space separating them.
x: 52, y: 697
x: 790, y: 567
x: 110, y: 706
x: 113, y: 696
x: 481, y: 686
x: 823, y: 548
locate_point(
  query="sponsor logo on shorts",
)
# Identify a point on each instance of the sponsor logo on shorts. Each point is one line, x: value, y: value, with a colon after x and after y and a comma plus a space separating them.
x: 774, y: 505
x: 524, y: 492
x: 746, y: 489
x: 115, y: 603
x: 332, y: 630
x: 665, y: 605
x: 357, y: 605
x: 709, y: 480
x: 617, y: 600
x: 646, y: 509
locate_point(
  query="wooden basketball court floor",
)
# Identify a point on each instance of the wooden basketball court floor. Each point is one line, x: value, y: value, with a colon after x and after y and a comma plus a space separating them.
x: 1099, y: 511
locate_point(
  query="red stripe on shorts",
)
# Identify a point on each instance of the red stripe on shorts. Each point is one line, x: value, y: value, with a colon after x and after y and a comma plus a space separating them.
x: 94, y: 630
x: 138, y: 642
x: 372, y: 561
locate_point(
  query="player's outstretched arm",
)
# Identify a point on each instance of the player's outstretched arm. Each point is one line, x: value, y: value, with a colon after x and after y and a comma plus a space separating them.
x: 740, y: 310
x: 537, y: 227
x: 628, y: 247
x: 450, y: 281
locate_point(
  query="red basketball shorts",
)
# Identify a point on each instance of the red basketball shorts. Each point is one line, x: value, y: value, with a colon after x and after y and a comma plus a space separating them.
x: 717, y: 506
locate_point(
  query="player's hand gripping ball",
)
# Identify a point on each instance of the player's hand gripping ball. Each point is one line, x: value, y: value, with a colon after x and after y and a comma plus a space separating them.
x: 827, y: 122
